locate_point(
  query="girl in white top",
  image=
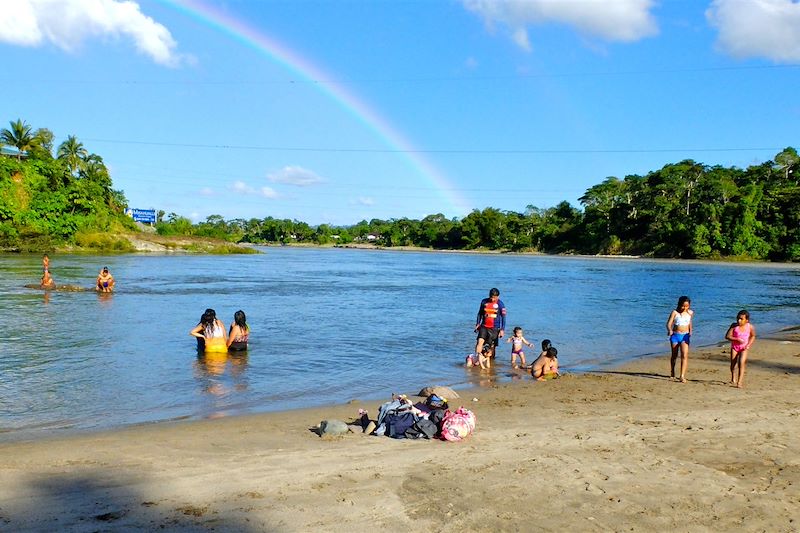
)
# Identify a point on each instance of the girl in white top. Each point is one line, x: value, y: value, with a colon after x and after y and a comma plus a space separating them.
x: 679, y: 331
x: 212, y: 331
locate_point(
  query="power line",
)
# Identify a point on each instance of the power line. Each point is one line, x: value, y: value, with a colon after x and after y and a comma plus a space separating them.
x: 421, y: 79
x: 462, y: 151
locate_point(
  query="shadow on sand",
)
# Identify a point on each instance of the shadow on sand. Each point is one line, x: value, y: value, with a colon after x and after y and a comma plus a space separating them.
x: 98, y: 500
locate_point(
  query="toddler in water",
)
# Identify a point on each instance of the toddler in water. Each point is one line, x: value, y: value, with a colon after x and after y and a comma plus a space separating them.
x: 742, y: 335
x: 516, y: 348
x: 546, y: 365
x: 481, y: 360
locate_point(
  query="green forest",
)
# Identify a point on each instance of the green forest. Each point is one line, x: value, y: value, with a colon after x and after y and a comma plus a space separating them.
x: 56, y: 196
x: 683, y: 210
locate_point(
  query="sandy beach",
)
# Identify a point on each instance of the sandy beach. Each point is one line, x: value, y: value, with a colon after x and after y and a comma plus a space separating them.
x: 620, y: 450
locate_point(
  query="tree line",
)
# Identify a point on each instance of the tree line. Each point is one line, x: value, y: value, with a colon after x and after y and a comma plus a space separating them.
x: 683, y: 210
x: 52, y: 195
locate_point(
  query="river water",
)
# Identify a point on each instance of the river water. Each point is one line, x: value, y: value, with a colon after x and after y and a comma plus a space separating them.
x: 329, y: 325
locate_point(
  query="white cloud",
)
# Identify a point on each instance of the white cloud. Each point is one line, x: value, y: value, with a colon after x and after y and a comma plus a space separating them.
x: 365, y: 200
x: 757, y: 28
x: 297, y: 176
x: 617, y: 20
x: 240, y: 187
x: 67, y: 23
x: 269, y: 192
x: 471, y: 63
x: 207, y: 191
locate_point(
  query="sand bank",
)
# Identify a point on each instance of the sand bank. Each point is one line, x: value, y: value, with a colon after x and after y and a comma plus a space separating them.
x: 624, y: 450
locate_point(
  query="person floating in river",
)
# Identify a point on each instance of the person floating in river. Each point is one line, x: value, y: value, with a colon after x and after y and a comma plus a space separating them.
x: 47, y: 281
x: 239, y: 332
x: 212, y: 331
x: 105, y: 281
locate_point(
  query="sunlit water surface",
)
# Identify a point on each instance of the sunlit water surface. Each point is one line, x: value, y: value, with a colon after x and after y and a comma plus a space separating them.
x: 329, y: 325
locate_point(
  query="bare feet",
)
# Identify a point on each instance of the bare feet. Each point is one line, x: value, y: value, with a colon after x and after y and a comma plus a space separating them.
x: 683, y: 380
x: 739, y: 386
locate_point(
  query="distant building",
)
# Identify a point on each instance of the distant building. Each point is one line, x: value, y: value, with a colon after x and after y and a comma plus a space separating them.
x: 10, y: 151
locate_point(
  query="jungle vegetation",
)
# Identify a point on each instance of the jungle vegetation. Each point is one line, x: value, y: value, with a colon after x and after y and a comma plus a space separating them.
x: 682, y: 210
x: 54, y: 195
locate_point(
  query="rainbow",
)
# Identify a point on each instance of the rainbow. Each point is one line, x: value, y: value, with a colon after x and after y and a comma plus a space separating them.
x: 307, y: 70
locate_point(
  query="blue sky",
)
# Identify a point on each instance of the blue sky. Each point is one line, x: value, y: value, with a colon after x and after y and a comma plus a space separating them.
x: 338, y: 111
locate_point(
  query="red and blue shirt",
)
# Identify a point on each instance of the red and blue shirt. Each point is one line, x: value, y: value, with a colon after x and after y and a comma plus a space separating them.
x: 491, y: 314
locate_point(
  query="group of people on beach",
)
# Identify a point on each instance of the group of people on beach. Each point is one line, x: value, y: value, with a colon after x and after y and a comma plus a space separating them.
x: 212, y: 336
x: 104, y: 282
x: 491, y: 323
x: 741, y: 334
x: 490, y: 326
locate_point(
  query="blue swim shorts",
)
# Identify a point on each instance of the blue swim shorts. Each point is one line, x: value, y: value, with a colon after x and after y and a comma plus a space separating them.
x: 677, y: 338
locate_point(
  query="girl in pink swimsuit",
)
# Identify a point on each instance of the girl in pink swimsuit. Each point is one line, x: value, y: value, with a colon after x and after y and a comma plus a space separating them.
x: 742, y: 334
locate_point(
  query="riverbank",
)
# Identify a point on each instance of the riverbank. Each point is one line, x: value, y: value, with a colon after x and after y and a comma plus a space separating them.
x: 625, y: 449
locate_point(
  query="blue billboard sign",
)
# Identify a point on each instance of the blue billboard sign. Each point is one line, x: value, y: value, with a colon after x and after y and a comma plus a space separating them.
x: 145, y: 216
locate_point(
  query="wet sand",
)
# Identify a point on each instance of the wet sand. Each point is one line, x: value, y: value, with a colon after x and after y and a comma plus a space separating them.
x: 620, y: 450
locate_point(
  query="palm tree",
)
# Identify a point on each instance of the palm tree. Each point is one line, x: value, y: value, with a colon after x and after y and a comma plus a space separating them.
x: 20, y: 136
x: 95, y: 170
x: 73, y: 154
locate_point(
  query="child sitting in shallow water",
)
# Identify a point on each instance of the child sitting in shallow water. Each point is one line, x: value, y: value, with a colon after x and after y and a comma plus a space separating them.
x: 482, y: 361
x: 546, y: 365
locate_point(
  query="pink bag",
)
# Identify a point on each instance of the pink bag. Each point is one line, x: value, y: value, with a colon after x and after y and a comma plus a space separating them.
x: 458, y: 425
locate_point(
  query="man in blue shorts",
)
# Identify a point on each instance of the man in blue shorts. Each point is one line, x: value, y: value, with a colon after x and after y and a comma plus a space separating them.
x: 491, y: 321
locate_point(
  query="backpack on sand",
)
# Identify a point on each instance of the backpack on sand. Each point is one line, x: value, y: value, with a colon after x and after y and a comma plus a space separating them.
x: 458, y: 424
x: 398, y: 423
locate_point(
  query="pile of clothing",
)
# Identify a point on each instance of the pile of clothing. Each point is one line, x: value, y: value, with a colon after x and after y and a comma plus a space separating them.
x: 400, y: 418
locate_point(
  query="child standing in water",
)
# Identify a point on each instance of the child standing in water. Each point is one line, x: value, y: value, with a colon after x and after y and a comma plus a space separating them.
x: 516, y: 348
x: 742, y: 335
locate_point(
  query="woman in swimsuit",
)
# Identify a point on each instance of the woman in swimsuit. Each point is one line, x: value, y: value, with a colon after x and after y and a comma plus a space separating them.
x: 239, y: 333
x: 679, y: 331
x: 212, y: 330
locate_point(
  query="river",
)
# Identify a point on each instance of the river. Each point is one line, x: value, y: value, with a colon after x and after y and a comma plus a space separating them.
x: 329, y: 325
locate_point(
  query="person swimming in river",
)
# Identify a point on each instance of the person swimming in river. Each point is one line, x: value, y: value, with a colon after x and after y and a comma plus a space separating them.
x: 105, y: 281
x: 47, y: 281
x: 212, y: 331
x: 239, y: 332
